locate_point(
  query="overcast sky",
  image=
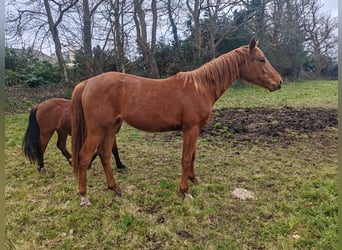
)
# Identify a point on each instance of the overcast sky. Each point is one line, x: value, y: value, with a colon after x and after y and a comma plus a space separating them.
x: 331, y: 6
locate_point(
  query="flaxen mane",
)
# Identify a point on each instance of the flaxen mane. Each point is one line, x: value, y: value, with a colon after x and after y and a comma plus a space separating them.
x: 218, y: 73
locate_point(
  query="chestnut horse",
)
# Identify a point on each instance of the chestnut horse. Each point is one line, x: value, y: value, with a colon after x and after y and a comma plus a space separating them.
x: 45, y: 118
x: 183, y: 102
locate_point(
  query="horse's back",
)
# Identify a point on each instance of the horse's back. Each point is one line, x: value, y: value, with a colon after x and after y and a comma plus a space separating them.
x: 146, y: 104
x: 54, y: 114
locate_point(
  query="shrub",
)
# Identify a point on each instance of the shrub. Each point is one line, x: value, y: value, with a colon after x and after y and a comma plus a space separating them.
x: 22, y: 67
x: 34, y: 81
x: 13, y: 78
x: 48, y: 72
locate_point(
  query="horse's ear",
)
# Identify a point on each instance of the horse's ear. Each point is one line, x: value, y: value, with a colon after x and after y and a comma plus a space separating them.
x: 252, y: 44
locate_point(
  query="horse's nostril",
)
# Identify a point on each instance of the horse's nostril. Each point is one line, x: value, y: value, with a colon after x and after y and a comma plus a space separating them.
x: 281, y: 82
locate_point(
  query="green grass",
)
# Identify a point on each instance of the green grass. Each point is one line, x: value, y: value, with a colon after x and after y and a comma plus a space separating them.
x: 295, y: 187
x: 299, y: 94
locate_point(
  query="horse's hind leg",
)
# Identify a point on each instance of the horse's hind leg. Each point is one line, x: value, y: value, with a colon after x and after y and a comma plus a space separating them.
x: 118, y: 162
x: 115, y: 151
x: 86, y: 153
x: 45, y: 137
x: 61, y: 144
x: 105, y: 156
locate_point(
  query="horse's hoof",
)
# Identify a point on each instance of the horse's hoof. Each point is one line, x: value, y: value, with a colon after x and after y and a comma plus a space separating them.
x: 122, y: 170
x: 42, y: 170
x: 85, y: 202
x: 195, y: 180
x: 188, y: 197
x: 116, y: 190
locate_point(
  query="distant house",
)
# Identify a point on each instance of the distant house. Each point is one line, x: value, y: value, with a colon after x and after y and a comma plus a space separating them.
x: 37, y: 54
x: 69, y: 57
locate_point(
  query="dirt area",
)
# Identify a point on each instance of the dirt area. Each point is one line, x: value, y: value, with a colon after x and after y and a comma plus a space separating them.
x: 269, y: 124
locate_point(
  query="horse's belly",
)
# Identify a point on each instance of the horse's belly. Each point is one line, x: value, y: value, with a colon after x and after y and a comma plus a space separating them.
x: 153, y: 123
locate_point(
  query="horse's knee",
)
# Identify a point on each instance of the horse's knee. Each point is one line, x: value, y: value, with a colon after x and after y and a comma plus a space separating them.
x: 85, y: 160
x: 186, y: 163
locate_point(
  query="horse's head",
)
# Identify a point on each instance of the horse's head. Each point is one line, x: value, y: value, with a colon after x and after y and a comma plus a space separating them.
x: 258, y: 70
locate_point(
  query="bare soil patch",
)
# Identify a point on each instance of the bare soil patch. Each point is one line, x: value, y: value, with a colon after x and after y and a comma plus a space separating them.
x: 268, y: 124
x: 284, y: 125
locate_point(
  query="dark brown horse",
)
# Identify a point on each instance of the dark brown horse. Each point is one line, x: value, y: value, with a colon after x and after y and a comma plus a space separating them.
x: 46, y: 118
x: 181, y: 102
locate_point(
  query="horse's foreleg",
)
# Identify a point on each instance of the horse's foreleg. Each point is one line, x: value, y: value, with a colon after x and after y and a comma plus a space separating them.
x: 105, y: 156
x: 188, y: 158
x: 61, y: 144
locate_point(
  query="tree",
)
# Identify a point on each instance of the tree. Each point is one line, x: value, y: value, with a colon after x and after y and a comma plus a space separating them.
x: 118, y: 8
x: 195, y: 11
x: 37, y: 19
x: 87, y: 38
x: 54, y: 31
x: 170, y: 12
x: 217, y: 25
x: 87, y: 14
x: 284, y: 39
x: 147, y: 49
x: 320, y: 33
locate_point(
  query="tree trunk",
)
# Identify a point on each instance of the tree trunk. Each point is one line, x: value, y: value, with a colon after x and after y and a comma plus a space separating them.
x: 149, y: 52
x: 173, y: 25
x: 87, y: 39
x: 55, y: 36
x: 195, y: 13
x: 119, y: 35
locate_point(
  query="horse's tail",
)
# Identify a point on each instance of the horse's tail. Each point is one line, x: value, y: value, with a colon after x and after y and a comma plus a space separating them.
x: 31, y: 142
x: 78, y: 131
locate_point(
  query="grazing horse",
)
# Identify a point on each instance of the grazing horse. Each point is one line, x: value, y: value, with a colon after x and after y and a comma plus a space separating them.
x: 45, y: 118
x: 183, y: 102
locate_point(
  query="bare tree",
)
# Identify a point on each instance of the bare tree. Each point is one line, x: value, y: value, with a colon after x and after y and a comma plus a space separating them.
x: 87, y: 38
x: 320, y: 33
x: 35, y: 18
x: 195, y: 8
x: 170, y: 12
x: 148, y: 49
x: 284, y: 38
x: 54, y: 31
x: 87, y: 34
x: 216, y: 10
x: 119, y: 33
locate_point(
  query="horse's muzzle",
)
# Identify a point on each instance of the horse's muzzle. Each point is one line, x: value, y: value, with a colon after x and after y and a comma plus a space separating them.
x: 276, y: 86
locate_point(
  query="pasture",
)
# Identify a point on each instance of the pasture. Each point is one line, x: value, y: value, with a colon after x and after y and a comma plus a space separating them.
x: 280, y: 146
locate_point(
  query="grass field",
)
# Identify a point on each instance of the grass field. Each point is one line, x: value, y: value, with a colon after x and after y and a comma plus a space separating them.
x: 293, y: 178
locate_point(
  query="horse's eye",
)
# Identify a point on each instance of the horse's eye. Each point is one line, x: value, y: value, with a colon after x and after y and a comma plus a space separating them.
x: 262, y: 60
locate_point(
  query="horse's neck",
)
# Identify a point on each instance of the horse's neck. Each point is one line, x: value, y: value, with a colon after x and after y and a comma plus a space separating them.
x: 215, y: 77
x: 228, y: 73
